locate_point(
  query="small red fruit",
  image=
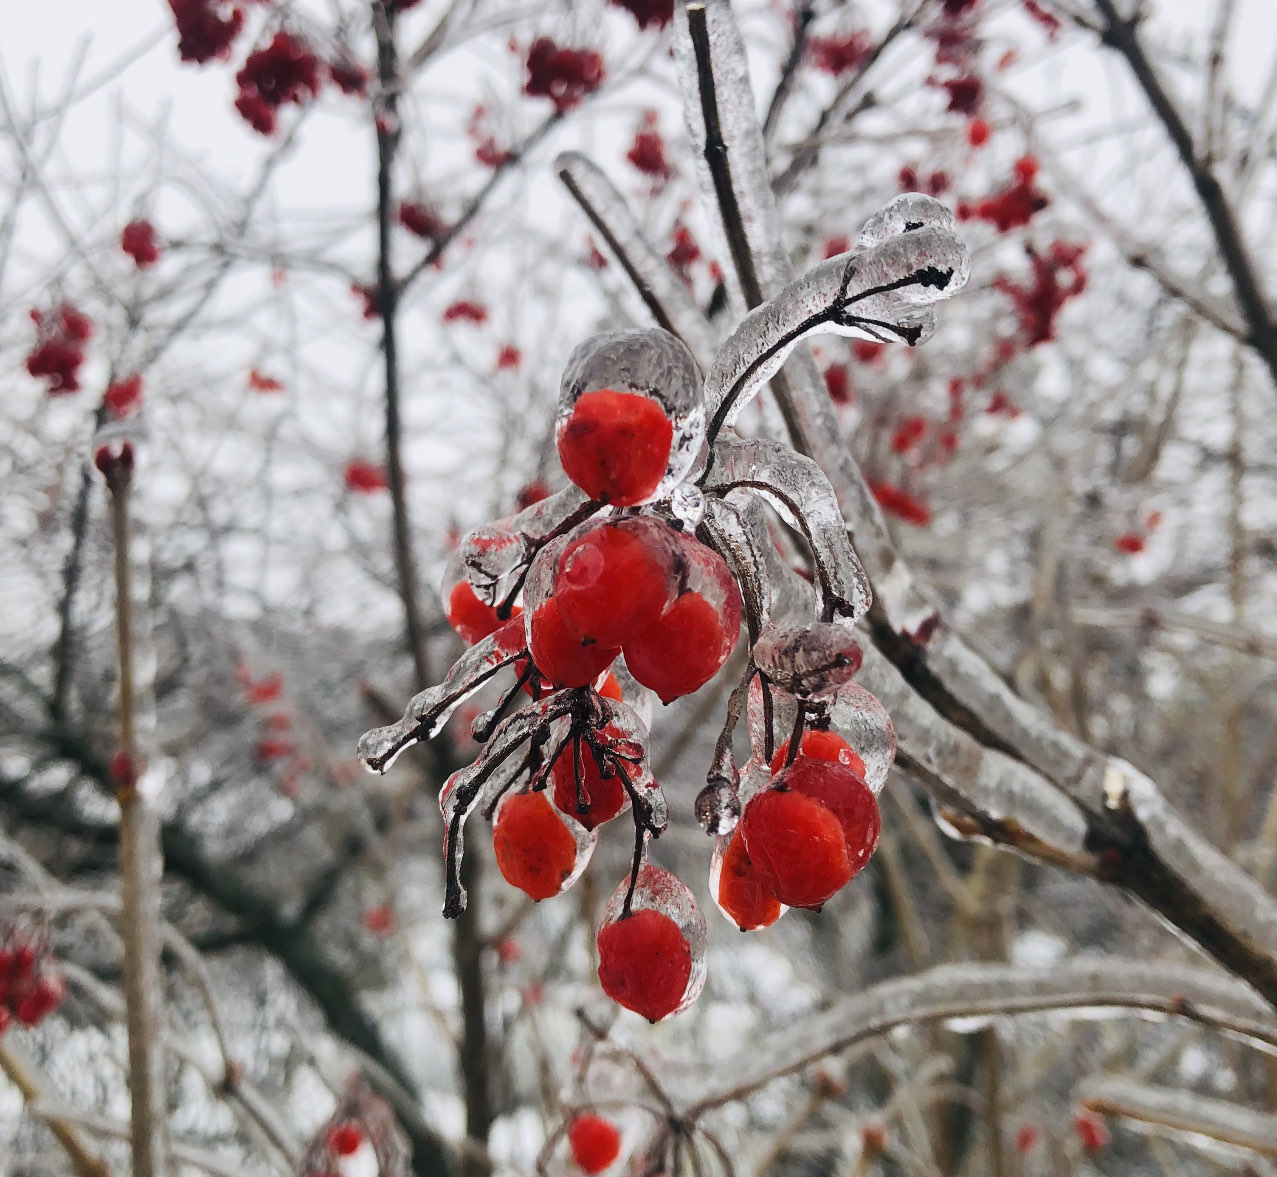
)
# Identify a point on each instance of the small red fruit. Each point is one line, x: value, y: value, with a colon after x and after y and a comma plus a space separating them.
x: 595, y: 1142
x: 616, y: 446
x: 606, y: 795
x: 797, y: 847
x: 821, y: 746
x: 844, y: 793
x: 615, y: 579
x: 1091, y: 1130
x: 345, y: 1139
x: 740, y: 894
x: 645, y: 963
x: 472, y: 619
x: 137, y: 239
x: 685, y: 648
x: 560, y: 655
x: 535, y: 850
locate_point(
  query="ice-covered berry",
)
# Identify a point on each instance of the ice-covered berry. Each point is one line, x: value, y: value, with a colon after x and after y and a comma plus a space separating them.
x: 472, y: 619
x: 616, y: 445
x: 844, y: 793
x: 797, y: 848
x: 821, y: 746
x: 615, y: 577
x: 738, y: 891
x: 645, y: 963
x: 605, y: 796
x: 560, y: 655
x: 535, y: 850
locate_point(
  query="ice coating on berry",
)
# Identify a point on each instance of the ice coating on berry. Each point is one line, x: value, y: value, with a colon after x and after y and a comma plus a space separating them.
x: 692, y: 639
x: 687, y: 505
x: 557, y: 650
x: 471, y: 618
x: 653, y: 364
x: 799, y: 491
x: 429, y: 710
x: 907, y: 212
x: 796, y: 846
x: 615, y: 577
x: 844, y: 793
x: 821, y: 746
x: 595, y: 1143
x: 615, y: 446
x: 652, y: 961
x: 737, y: 891
x: 809, y: 660
x: 858, y: 716
x: 536, y: 850
x: 493, y: 555
x: 605, y: 797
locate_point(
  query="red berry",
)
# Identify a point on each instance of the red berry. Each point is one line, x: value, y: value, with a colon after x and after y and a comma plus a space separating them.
x: 797, y: 847
x: 611, y: 689
x: 606, y: 795
x: 740, y: 894
x: 1026, y: 1138
x: 123, y: 396
x: 1131, y: 543
x: 535, y: 850
x: 616, y: 446
x: 977, y: 132
x: 560, y: 655
x: 645, y: 963
x: 684, y: 649
x: 1091, y: 1131
x: 844, y: 793
x: 137, y: 239
x: 345, y: 1139
x: 821, y: 746
x: 616, y: 578
x: 595, y: 1142
x: 472, y: 619
x: 364, y: 477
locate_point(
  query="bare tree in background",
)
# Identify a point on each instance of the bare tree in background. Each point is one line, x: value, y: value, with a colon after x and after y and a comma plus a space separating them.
x: 1061, y: 500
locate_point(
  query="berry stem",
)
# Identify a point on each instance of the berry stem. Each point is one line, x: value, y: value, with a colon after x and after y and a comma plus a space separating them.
x: 796, y: 736
x: 483, y: 727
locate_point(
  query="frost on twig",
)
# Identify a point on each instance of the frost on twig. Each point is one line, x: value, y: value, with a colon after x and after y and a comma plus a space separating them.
x: 1213, y: 1125
x: 971, y: 996
x: 661, y: 290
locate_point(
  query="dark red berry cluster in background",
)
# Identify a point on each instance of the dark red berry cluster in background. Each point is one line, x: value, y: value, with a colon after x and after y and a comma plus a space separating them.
x: 654, y: 13
x: 1058, y: 276
x: 63, y: 334
x: 1015, y: 205
x: 647, y: 152
x: 285, y: 71
x: 840, y: 53
x: 139, y: 241
x: 31, y: 983
x: 206, y: 29
x: 564, y: 76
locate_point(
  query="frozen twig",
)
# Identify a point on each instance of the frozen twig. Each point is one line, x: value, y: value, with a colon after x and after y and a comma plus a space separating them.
x: 140, y: 864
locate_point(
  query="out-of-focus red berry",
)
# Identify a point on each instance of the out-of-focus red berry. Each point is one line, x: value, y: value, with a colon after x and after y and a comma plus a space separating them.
x: 1091, y: 1131
x: 564, y: 76
x: 138, y: 240
x: 648, y: 12
x: 364, y: 477
x: 345, y: 1139
x: 595, y: 1143
x: 122, y: 397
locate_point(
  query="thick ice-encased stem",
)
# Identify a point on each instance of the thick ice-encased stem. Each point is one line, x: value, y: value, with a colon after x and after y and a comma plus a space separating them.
x: 799, y: 490
x: 429, y: 710
x: 661, y: 290
x: 879, y: 293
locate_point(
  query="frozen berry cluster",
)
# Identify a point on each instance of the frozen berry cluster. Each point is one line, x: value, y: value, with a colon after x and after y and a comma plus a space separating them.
x: 636, y: 581
x: 31, y: 983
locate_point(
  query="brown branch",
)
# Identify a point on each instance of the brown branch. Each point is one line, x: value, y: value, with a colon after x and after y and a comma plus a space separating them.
x: 140, y: 863
x: 85, y: 1161
x: 784, y: 86
x: 1123, y: 36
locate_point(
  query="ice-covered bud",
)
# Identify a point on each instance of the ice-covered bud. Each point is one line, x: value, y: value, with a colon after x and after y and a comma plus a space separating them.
x: 808, y: 661
x: 631, y: 419
x: 718, y: 806
x: 907, y: 213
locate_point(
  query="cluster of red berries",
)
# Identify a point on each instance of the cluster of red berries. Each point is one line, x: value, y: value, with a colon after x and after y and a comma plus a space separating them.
x: 63, y: 335
x: 206, y: 29
x: 647, y: 152
x: 1058, y: 276
x: 31, y: 984
x: 634, y: 582
x: 286, y: 71
x: 564, y: 76
x: 1013, y: 206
